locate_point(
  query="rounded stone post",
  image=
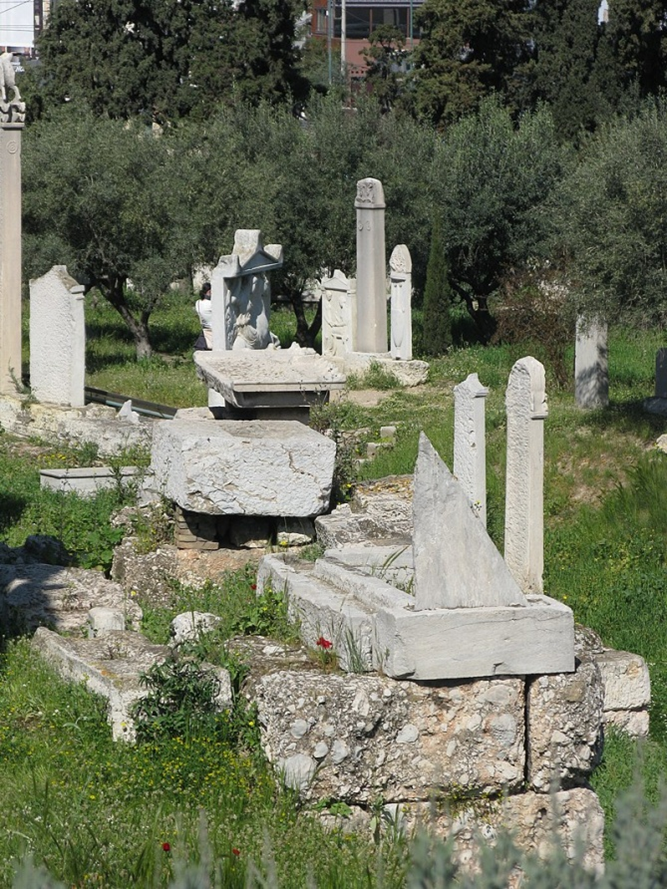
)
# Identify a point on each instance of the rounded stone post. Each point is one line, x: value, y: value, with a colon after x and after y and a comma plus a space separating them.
x: 371, y: 268
x: 470, y: 441
x: 526, y: 404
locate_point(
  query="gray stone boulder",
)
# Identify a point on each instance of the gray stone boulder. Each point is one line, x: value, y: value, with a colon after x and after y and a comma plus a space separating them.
x: 191, y: 625
x: 243, y: 467
x: 33, y: 595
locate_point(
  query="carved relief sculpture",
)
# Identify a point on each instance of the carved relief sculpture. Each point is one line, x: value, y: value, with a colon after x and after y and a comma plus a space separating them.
x: 11, y: 111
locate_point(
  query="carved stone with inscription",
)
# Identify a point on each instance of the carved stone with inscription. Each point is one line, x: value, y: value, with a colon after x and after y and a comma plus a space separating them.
x: 526, y: 403
x: 400, y: 275
x: 470, y: 441
x: 339, y: 315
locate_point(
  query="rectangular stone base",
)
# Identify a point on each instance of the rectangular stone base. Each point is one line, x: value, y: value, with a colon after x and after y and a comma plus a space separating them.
x: 373, y: 626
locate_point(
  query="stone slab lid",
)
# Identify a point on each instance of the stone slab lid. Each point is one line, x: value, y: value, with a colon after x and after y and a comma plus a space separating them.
x: 267, y: 370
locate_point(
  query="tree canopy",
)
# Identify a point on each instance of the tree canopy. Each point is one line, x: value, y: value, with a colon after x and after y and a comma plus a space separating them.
x: 161, y: 60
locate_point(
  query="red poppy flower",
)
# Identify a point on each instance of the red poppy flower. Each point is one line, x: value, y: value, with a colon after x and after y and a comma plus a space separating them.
x: 236, y: 852
x: 324, y: 643
x: 166, y: 847
x: 253, y: 586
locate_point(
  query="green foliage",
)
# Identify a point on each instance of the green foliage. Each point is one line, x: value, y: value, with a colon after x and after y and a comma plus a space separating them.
x: 492, y: 179
x: 437, y: 298
x: 161, y: 61
x: 332, y: 420
x: 180, y: 702
x: 468, y: 50
x: 385, y: 58
x: 611, y: 211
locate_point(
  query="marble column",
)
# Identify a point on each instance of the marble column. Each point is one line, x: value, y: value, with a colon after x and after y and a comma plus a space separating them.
x: 10, y: 256
x: 371, y: 268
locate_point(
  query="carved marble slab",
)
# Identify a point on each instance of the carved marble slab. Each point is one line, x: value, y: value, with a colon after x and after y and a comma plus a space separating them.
x: 258, y: 378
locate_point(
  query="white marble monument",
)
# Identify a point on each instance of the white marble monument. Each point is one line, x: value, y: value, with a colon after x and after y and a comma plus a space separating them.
x: 526, y: 404
x: 458, y: 613
x: 241, y: 294
x: 591, y: 371
x: 57, y: 338
x: 470, y: 441
x: 400, y: 276
x: 339, y: 315
x: 12, y: 118
x: 371, y: 268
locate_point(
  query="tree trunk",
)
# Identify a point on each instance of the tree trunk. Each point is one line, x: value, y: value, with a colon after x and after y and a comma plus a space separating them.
x: 114, y: 293
x: 478, y: 309
x: 305, y: 333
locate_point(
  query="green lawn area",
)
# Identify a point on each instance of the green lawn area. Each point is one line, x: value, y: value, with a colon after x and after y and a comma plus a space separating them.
x: 97, y: 814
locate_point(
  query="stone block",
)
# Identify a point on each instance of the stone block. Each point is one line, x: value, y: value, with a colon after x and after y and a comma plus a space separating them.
x: 223, y: 467
x: 48, y: 595
x: 564, y: 727
x: 87, y: 481
x: 191, y: 625
x: 373, y: 626
x: 357, y: 738
x: 111, y: 667
x: 57, y: 338
x: 104, y: 620
x: 292, y: 377
x: 625, y: 679
x: 407, y: 373
x: 457, y: 564
x: 635, y: 723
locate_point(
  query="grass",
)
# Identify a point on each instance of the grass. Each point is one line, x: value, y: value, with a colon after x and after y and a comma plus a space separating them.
x: 605, y: 556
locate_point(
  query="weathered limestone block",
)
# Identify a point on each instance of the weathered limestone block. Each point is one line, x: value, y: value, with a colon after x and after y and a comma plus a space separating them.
x: 295, y: 532
x: 191, y: 625
x: 626, y: 680
x: 564, y: 727
x: 111, y: 667
x: 375, y: 513
x: 243, y: 467
x: 573, y: 818
x: 49, y: 595
x: 591, y: 364
x: 104, y: 620
x: 355, y: 738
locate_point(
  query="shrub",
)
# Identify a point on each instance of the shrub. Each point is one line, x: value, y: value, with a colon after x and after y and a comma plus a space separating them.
x: 437, y: 298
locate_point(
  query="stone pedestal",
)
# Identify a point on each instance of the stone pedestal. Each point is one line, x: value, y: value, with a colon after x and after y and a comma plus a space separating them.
x: 10, y: 257
x: 371, y: 268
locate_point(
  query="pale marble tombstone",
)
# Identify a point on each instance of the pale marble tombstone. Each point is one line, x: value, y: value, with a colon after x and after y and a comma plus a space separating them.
x: 339, y: 315
x: 591, y: 373
x: 12, y: 117
x: 400, y: 276
x: 371, y: 268
x: 57, y: 338
x: 241, y: 294
x: 526, y: 405
x: 470, y: 441
x: 661, y: 373
x: 456, y: 563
